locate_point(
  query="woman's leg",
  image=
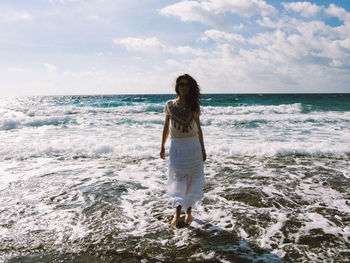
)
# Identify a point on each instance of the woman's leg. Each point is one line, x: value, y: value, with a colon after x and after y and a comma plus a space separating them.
x: 188, y: 217
x: 176, y: 218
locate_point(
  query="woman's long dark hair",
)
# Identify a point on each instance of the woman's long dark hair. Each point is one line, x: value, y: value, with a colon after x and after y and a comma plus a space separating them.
x: 193, y: 95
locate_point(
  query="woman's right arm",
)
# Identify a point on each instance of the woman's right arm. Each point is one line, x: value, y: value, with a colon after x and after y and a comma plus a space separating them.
x: 164, y: 136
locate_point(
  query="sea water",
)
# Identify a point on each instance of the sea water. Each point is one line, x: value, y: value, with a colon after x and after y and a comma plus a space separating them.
x: 81, y: 180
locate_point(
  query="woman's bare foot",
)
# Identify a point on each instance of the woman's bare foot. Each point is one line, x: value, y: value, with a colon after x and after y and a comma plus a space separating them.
x: 175, y: 221
x: 176, y: 218
x: 188, y: 217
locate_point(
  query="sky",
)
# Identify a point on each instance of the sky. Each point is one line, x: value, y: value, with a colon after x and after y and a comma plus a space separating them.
x: 69, y: 47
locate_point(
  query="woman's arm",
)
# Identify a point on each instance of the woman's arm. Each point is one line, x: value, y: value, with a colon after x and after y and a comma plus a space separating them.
x: 200, y: 136
x: 164, y: 136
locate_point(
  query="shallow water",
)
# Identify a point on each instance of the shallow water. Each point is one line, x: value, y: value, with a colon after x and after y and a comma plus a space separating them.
x: 81, y: 181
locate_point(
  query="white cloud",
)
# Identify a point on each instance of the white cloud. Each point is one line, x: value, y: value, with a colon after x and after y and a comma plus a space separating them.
x: 345, y: 43
x: 194, y: 11
x: 279, y: 67
x: 217, y: 35
x: 305, y: 9
x: 211, y: 12
x: 245, y: 8
x: 49, y: 67
x: 296, y: 56
x: 238, y: 27
x: 10, y: 16
x: 336, y: 11
x: 268, y: 22
x: 154, y: 45
x: 304, y: 43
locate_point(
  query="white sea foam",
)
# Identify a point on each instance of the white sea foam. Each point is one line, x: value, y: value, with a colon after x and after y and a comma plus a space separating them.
x: 115, y: 134
x: 254, y: 109
x: 273, y: 229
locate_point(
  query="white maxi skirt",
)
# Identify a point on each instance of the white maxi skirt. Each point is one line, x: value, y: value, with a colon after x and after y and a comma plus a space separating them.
x: 186, y: 173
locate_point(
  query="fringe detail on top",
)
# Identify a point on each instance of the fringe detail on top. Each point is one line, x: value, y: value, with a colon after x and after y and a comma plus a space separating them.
x: 180, y: 126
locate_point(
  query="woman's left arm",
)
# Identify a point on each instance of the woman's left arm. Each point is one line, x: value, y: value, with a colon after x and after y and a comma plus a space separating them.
x: 200, y: 136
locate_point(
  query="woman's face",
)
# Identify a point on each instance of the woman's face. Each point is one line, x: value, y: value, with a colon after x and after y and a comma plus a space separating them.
x: 183, y: 87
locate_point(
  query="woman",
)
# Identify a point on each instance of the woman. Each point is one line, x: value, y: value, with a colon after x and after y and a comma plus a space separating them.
x: 187, y: 152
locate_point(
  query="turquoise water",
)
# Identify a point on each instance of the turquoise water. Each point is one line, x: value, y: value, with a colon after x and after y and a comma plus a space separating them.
x: 310, y: 102
x: 81, y: 180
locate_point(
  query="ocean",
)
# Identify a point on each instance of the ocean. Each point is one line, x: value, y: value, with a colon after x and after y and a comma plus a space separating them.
x: 81, y: 180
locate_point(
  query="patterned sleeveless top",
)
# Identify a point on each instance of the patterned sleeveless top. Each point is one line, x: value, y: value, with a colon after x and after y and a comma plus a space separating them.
x: 182, y: 123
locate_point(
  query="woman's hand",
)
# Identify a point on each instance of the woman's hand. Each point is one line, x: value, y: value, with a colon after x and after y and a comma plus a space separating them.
x: 162, y: 152
x: 204, y: 155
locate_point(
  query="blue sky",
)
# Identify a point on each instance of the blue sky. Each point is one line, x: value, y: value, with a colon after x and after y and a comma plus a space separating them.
x: 52, y: 47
